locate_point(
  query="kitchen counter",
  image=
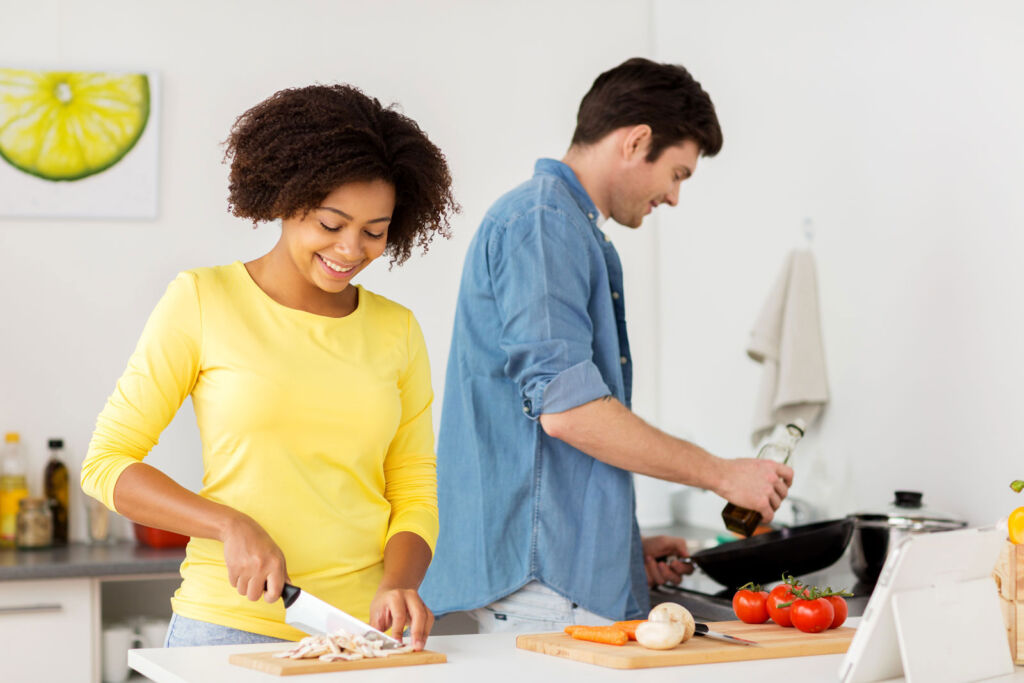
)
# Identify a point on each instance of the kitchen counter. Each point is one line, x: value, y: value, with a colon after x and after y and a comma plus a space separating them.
x: 491, y: 657
x: 84, y: 560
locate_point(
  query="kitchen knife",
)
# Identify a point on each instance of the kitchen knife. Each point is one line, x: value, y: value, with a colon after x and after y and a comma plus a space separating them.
x: 703, y: 630
x: 314, y: 616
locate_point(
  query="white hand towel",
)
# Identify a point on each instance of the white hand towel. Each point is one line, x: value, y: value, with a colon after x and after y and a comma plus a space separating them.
x: 786, y: 340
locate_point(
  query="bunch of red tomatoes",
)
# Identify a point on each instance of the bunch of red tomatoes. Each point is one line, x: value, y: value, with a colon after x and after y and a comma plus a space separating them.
x: 808, y: 608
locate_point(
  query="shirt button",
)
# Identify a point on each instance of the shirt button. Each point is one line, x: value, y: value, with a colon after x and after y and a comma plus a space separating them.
x: 607, y: 238
x: 526, y: 407
x: 623, y: 360
x: 590, y: 216
x: 615, y: 295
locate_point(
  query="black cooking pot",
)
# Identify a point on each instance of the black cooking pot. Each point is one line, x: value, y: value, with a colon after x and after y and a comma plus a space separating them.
x: 766, y: 557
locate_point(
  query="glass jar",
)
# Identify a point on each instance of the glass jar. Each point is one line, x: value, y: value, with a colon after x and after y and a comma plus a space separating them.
x: 35, y: 524
x: 99, y: 519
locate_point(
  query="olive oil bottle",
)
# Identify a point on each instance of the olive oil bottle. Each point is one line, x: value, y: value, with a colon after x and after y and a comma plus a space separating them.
x: 779, y: 448
x: 55, y: 485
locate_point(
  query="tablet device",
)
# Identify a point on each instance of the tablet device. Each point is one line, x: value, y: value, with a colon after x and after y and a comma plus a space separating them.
x: 934, y: 615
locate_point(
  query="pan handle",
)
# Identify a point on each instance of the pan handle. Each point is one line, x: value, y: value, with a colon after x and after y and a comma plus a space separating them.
x: 674, y: 558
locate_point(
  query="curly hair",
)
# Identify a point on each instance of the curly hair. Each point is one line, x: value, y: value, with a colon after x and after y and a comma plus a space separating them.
x: 664, y: 96
x: 296, y: 147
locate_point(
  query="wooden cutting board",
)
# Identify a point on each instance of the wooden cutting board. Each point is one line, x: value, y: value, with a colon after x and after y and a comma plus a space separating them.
x: 268, y: 663
x: 775, y: 641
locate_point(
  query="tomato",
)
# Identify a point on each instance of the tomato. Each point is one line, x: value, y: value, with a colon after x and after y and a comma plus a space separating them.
x: 780, y: 615
x: 750, y: 607
x: 840, y: 609
x: 812, y: 616
x: 1016, y: 526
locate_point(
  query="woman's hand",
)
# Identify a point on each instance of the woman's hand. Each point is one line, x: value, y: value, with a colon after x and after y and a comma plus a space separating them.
x: 396, y: 608
x: 255, y: 564
x: 148, y: 496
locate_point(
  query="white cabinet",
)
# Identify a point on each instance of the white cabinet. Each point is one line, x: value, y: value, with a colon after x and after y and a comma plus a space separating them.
x: 50, y: 630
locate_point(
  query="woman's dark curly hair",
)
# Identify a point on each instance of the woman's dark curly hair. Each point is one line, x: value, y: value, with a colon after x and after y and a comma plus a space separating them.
x: 296, y: 147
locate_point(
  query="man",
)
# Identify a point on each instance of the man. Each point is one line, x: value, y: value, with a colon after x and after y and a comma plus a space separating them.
x: 537, y: 440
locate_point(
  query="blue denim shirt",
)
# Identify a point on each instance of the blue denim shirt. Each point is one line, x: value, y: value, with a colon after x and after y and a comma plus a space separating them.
x: 540, y: 327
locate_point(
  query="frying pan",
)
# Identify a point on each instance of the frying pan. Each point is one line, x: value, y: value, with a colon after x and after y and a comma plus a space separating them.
x: 764, y: 558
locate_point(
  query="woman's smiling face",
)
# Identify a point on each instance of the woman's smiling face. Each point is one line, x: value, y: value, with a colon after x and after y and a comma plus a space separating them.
x: 328, y: 245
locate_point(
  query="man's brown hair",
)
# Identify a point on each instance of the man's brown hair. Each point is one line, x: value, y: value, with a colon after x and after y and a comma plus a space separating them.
x: 663, y: 96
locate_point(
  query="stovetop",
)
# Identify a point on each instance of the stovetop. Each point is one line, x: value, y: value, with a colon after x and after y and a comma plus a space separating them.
x: 709, y: 600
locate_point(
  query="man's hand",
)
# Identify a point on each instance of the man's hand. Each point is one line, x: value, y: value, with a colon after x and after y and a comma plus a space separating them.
x: 755, y: 484
x: 664, y: 572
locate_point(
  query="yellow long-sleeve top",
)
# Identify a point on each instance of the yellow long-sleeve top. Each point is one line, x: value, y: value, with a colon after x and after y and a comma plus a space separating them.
x: 318, y: 428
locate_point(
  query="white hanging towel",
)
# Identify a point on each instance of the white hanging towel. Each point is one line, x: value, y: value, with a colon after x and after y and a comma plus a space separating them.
x: 786, y: 340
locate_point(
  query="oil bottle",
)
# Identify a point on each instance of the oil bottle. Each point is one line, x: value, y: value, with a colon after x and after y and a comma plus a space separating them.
x: 779, y: 448
x: 13, y: 487
x: 55, y: 487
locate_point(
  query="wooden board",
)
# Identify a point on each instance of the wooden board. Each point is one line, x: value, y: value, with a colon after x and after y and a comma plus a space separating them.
x: 279, y: 666
x: 775, y: 641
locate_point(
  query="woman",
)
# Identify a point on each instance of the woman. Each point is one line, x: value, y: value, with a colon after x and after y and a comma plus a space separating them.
x: 312, y: 394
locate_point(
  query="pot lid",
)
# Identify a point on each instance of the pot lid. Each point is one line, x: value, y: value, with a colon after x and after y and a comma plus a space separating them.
x: 908, y: 511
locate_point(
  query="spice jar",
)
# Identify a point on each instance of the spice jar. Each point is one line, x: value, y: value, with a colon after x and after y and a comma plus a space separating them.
x: 35, y: 524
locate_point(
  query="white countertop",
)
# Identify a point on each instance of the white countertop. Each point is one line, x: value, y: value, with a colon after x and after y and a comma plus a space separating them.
x: 490, y: 658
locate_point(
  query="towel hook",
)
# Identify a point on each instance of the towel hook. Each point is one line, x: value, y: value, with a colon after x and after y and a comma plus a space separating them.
x: 808, y: 228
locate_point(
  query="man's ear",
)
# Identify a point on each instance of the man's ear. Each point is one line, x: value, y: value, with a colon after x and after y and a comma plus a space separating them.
x: 636, y: 142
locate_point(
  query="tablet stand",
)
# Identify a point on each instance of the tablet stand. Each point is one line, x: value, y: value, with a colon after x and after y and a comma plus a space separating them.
x: 951, y: 633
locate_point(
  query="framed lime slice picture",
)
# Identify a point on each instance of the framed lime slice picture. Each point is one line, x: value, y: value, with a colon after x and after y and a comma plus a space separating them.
x: 68, y: 125
x: 79, y: 144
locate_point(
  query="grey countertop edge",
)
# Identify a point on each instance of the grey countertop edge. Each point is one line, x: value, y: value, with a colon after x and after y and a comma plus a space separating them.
x: 79, y: 560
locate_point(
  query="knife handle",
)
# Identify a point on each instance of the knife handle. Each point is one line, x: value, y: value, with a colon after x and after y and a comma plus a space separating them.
x: 289, y: 593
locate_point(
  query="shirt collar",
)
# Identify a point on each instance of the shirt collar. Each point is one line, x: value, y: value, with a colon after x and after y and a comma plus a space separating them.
x: 563, y: 171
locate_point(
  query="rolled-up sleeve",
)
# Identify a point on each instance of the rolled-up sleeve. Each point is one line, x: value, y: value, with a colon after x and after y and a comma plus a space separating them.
x: 160, y: 375
x: 542, y: 279
x: 410, y: 468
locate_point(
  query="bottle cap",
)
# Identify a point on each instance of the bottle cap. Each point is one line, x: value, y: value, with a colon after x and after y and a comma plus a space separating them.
x: 12, y: 437
x: 799, y: 425
x: 56, y: 443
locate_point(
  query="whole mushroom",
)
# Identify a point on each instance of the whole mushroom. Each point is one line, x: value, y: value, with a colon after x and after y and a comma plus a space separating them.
x: 675, y: 613
x: 660, y: 635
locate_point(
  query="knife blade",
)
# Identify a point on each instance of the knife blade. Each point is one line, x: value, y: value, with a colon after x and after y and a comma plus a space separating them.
x: 314, y: 616
x: 703, y: 630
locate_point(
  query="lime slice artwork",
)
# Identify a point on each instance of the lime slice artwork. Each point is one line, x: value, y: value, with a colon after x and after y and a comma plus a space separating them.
x: 68, y: 125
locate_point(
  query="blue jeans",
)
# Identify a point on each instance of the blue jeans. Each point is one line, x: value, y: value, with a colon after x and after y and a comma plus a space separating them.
x: 185, y: 632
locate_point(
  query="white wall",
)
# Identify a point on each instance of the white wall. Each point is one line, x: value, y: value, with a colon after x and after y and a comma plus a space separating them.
x: 894, y: 125
x: 898, y: 128
x: 495, y: 85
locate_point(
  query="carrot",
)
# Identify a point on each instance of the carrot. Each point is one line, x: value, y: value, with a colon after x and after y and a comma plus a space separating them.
x: 629, y: 627
x: 610, y: 635
x: 572, y: 627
